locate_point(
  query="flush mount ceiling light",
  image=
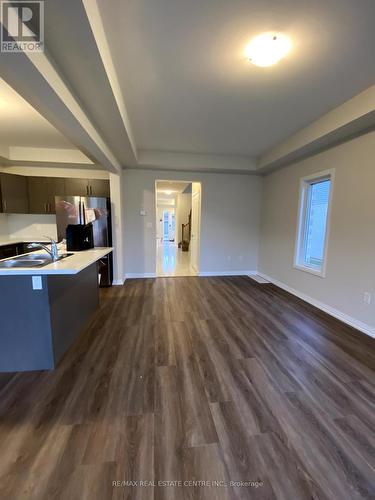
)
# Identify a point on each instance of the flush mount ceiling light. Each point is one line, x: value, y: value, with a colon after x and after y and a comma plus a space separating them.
x: 168, y: 191
x: 267, y: 49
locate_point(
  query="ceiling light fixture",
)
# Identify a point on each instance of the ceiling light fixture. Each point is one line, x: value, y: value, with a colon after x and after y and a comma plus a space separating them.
x: 168, y: 192
x: 267, y: 49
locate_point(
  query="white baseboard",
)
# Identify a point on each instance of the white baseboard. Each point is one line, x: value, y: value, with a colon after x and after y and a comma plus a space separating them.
x: 118, y: 282
x: 345, y: 318
x: 259, y: 279
x: 203, y: 273
x: 130, y: 276
x: 227, y: 273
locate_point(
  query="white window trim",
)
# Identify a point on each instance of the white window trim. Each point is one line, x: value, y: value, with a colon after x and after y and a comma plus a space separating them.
x: 305, y: 182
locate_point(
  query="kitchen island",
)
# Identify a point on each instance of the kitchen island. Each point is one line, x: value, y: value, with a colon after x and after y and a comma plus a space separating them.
x: 43, y: 310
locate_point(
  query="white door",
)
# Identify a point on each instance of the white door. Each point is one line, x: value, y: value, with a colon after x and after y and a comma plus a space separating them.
x: 166, y: 226
x: 172, y: 226
x: 195, y: 226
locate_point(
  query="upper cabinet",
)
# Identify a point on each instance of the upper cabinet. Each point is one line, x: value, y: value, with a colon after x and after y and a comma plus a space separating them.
x: 76, y: 187
x: 21, y: 194
x: 42, y: 192
x: 14, y: 194
x: 99, y: 187
x: 55, y: 187
x: 87, y: 187
x: 37, y: 188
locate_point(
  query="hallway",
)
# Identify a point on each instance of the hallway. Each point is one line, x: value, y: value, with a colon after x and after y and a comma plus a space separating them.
x: 172, y: 261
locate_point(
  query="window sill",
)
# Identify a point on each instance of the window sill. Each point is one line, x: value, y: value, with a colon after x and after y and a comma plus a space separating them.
x: 310, y: 270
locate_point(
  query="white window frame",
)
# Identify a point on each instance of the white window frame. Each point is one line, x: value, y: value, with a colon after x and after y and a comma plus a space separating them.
x: 305, y: 183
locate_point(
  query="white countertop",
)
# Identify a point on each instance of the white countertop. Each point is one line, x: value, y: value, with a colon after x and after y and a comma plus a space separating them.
x: 70, y: 265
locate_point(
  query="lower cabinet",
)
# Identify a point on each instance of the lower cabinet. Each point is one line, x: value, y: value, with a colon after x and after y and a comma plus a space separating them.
x: 8, y: 251
x: 12, y: 250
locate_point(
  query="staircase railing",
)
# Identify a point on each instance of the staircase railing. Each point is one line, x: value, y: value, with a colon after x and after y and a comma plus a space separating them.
x: 186, y: 234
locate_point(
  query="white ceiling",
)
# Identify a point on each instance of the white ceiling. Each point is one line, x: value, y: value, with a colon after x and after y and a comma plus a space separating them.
x: 21, y: 125
x: 175, y: 186
x: 188, y: 88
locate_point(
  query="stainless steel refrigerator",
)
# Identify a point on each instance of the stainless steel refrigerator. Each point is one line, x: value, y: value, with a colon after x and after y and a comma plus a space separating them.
x: 86, y: 210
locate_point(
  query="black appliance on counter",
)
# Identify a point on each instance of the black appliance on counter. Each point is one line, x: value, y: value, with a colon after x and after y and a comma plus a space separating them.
x: 85, y: 222
x: 79, y: 237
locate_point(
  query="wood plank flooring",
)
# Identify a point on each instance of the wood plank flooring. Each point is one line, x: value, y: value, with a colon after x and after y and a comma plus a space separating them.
x: 196, y: 380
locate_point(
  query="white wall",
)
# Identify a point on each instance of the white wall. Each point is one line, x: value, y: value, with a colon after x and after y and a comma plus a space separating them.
x: 30, y: 226
x: 117, y: 213
x: 159, y: 225
x: 351, y: 244
x: 3, y: 226
x: 229, y: 222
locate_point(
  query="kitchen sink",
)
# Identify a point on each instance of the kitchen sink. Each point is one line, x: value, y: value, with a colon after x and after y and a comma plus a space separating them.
x: 31, y: 260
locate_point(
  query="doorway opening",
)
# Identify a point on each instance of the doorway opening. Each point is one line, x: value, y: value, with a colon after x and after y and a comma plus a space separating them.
x: 178, y: 213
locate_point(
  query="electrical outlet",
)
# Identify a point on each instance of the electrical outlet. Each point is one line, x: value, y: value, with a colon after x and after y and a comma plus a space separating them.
x: 367, y: 297
x: 37, y: 282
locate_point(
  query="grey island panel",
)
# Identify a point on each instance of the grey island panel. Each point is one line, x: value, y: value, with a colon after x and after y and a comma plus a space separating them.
x: 73, y: 301
x: 38, y: 326
x: 25, y: 329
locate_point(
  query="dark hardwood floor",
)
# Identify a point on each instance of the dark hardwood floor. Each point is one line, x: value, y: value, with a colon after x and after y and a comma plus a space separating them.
x: 196, y: 379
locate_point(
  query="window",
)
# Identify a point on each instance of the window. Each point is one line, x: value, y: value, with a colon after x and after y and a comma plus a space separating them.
x: 166, y: 225
x: 313, y: 221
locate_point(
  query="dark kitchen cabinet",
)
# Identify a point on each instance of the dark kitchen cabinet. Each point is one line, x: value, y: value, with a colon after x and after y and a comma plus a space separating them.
x: 7, y: 251
x: 42, y: 192
x: 55, y: 187
x: 87, y: 187
x: 76, y: 187
x: 99, y: 187
x: 21, y: 194
x: 37, y: 187
x: 14, y: 194
x: 13, y: 249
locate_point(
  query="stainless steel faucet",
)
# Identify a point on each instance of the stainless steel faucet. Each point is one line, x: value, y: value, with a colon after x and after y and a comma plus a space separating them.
x: 53, y: 251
